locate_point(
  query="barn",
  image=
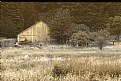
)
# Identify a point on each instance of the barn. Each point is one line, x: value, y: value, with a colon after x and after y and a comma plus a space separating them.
x: 37, y: 32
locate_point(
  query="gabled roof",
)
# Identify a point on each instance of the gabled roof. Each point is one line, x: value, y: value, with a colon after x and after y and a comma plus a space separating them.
x: 30, y: 27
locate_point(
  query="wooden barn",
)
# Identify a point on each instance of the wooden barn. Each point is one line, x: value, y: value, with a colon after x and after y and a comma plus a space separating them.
x: 37, y: 32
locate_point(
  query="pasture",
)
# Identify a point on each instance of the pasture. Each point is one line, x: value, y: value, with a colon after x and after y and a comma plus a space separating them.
x: 82, y: 64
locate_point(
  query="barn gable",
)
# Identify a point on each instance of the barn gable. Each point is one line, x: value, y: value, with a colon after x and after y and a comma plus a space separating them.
x: 37, y: 32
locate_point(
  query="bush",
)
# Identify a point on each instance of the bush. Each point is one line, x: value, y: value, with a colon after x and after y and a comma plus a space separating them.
x: 101, y: 42
x: 80, y: 38
x: 59, y: 71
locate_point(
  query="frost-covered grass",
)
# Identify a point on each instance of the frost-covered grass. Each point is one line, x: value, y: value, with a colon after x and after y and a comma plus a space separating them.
x: 60, y: 65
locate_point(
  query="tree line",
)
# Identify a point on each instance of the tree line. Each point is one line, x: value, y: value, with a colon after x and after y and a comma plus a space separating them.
x: 65, y: 19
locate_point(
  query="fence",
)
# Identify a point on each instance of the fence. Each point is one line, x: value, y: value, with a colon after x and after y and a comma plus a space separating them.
x: 7, y: 42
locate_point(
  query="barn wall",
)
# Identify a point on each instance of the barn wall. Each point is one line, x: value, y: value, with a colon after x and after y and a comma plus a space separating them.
x: 38, y: 32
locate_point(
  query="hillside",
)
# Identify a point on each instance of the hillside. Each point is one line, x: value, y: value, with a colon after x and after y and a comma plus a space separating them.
x: 19, y: 16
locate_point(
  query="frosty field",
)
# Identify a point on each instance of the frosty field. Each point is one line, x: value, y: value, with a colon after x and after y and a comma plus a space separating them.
x: 87, y: 64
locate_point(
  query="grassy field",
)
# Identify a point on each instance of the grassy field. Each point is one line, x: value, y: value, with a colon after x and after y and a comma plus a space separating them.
x: 88, y: 64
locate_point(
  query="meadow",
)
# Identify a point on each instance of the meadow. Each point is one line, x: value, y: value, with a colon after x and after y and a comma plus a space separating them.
x: 87, y: 64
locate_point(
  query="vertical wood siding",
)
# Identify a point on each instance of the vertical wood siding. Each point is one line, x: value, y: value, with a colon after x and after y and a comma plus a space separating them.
x: 37, y: 32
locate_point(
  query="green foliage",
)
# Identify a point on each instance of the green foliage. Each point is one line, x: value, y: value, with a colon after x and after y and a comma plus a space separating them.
x: 79, y: 27
x: 101, y: 42
x: 59, y: 17
x: 80, y: 38
x: 59, y: 24
x: 100, y: 38
x: 7, y: 27
x: 93, y: 36
x: 59, y: 71
x: 114, y: 25
x: 83, y: 38
x: 105, y: 34
x: 74, y: 28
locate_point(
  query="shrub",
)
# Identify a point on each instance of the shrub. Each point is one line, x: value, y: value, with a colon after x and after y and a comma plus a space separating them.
x: 101, y: 42
x: 80, y: 38
x: 59, y: 71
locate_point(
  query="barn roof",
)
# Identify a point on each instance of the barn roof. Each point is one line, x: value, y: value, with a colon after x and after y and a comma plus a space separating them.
x: 30, y: 27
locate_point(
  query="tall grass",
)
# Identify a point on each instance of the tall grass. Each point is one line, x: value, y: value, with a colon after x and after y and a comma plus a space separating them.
x: 18, y: 65
x: 84, y: 68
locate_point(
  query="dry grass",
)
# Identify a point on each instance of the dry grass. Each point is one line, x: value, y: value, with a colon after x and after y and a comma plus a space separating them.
x: 24, y: 65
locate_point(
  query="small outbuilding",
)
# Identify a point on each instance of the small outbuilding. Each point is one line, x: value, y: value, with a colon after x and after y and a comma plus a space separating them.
x: 37, y: 32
